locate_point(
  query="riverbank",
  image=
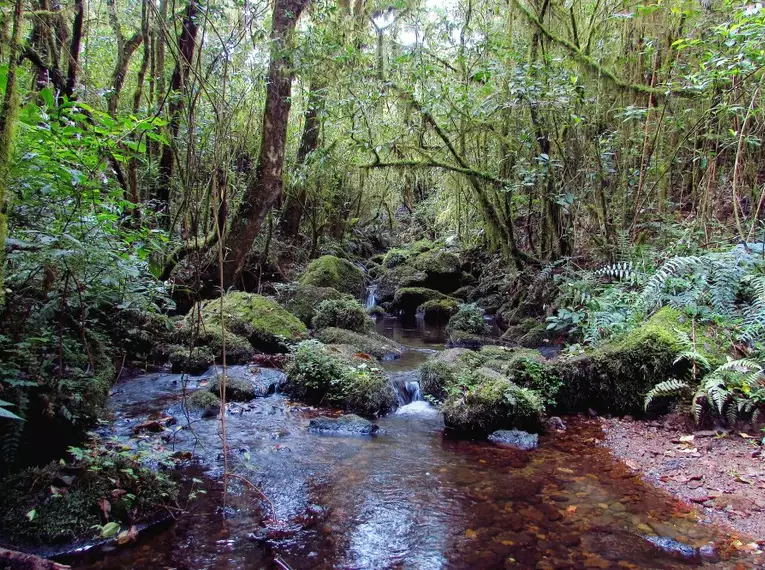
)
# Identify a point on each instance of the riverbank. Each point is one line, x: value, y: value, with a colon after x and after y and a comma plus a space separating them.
x: 720, y: 472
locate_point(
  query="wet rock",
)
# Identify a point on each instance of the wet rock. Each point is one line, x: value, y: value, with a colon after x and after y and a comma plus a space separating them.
x: 673, y: 547
x: 515, y: 438
x: 206, y: 402
x: 370, y: 342
x: 237, y: 389
x: 350, y: 424
x: 555, y: 424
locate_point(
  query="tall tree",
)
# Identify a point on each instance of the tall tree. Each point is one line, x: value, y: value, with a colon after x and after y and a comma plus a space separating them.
x: 265, y: 185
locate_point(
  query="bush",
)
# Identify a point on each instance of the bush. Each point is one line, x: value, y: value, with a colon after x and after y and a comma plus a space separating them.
x: 469, y: 319
x: 346, y: 313
x: 321, y: 374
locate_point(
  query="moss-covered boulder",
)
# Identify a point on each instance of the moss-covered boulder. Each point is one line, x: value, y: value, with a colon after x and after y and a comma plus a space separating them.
x: 438, y: 263
x: 205, y: 402
x: 396, y: 257
x: 346, y: 313
x: 331, y: 271
x: 438, y: 311
x: 467, y: 328
x: 488, y: 402
x: 368, y: 342
x: 262, y: 321
x: 440, y: 372
x: 302, y: 300
x: 62, y: 503
x: 322, y: 375
x: 616, y: 376
x: 196, y: 361
x: 407, y: 299
x: 400, y: 276
x: 237, y: 389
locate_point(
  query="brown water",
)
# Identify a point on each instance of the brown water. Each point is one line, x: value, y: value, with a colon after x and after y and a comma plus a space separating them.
x: 411, y: 498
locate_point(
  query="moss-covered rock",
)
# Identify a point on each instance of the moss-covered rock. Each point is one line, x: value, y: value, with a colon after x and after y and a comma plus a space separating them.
x: 368, y: 342
x: 344, y: 313
x: 616, y: 376
x: 407, y: 299
x: 262, y: 321
x: 321, y: 374
x: 237, y: 389
x: 396, y: 257
x: 302, y: 300
x: 438, y: 311
x: 400, y: 276
x: 331, y: 271
x: 469, y: 318
x: 535, y: 337
x: 438, y: 263
x: 487, y: 403
x: 238, y: 349
x: 194, y: 362
x: 65, y: 500
x: 205, y: 402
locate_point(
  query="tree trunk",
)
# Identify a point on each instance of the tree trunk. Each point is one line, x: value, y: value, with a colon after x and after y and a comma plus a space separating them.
x: 309, y: 142
x: 265, y: 186
x: 186, y: 43
x: 7, y: 122
x: 74, y: 49
x: 125, y: 50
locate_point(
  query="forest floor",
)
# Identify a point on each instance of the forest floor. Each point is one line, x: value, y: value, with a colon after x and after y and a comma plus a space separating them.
x: 720, y: 472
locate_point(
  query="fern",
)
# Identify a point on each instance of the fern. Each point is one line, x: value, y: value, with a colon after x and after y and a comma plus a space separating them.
x: 668, y: 388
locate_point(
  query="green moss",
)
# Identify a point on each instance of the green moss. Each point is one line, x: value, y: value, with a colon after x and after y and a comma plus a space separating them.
x: 469, y: 319
x: 262, y: 321
x: 487, y: 403
x: 203, y: 400
x: 396, y: 257
x: 321, y: 374
x: 616, y: 376
x: 423, y: 245
x: 237, y: 389
x: 536, y: 336
x: 401, y: 276
x: 368, y: 342
x: 200, y: 359
x: 407, y: 299
x: 302, y: 300
x: 65, y: 513
x: 438, y: 311
x: 437, y: 263
x: 331, y: 271
x: 342, y: 313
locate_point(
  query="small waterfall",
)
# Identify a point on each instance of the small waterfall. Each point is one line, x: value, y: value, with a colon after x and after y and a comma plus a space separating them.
x: 371, y: 300
x: 406, y: 386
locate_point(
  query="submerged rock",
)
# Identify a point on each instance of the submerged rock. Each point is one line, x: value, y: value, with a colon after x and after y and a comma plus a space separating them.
x: 347, y: 424
x: 515, y: 438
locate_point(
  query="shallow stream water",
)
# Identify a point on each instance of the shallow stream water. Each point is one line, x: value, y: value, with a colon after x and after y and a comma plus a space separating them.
x: 410, y: 498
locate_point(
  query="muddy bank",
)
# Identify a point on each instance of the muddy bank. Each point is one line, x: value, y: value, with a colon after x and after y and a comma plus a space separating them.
x: 719, y: 472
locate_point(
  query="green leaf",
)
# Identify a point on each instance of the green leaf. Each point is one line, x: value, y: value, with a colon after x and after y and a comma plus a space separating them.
x: 47, y: 96
x: 110, y: 529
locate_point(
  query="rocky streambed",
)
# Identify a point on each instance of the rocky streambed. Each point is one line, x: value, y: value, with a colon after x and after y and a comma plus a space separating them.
x: 405, y: 496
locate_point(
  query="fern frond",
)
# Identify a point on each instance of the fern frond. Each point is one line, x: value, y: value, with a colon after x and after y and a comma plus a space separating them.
x: 671, y: 387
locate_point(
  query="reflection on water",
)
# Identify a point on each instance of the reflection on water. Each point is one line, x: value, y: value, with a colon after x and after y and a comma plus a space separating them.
x: 410, y: 498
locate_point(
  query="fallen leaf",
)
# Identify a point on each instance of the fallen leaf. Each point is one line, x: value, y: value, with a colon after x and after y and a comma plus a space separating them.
x: 571, y: 509
x: 745, y: 435
x: 109, y: 529
x: 471, y: 534
x: 105, y: 506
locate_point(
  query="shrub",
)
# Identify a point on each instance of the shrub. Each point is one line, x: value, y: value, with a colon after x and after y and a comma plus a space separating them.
x: 469, y: 318
x: 346, y: 313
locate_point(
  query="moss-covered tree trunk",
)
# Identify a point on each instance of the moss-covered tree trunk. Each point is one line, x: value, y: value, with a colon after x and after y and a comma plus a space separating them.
x: 265, y: 186
x: 7, y: 122
x: 309, y: 142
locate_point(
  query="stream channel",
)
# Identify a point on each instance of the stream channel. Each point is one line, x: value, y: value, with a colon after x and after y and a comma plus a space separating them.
x: 409, y: 498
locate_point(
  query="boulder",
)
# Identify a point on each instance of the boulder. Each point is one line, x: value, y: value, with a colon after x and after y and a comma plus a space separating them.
x: 331, y: 271
x: 194, y: 362
x: 349, y: 424
x: 344, y: 313
x: 515, y: 438
x: 302, y: 300
x: 616, y: 376
x: 262, y: 321
x: 329, y: 375
x: 237, y: 389
x: 371, y: 343
x: 438, y: 311
x: 205, y: 402
x: 398, y: 277
x: 407, y: 299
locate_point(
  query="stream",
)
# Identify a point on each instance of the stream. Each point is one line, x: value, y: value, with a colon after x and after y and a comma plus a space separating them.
x: 409, y: 498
